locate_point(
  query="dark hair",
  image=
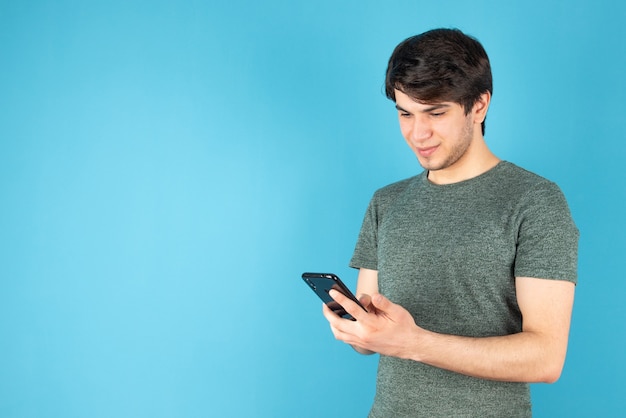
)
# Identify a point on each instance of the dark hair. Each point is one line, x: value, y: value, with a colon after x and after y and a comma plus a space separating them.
x: 440, y: 65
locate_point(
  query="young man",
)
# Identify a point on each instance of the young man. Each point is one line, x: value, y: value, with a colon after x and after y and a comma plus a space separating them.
x: 467, y: 269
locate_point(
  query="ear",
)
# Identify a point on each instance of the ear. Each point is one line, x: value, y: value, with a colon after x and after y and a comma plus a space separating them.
x: 480, y: 107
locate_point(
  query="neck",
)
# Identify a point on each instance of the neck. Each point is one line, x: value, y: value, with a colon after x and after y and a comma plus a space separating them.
x: 477, y: 160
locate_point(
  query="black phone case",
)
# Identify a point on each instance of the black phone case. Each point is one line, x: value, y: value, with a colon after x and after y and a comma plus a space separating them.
x: 322, y: 283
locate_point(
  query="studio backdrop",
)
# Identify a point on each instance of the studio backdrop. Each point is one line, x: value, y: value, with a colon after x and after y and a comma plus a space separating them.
x: 168, y: 169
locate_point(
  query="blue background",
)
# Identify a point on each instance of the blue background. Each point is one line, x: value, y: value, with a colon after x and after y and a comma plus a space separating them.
x: 168, y: 169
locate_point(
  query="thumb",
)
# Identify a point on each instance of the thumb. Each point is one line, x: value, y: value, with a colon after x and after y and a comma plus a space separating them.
x: 390, y: 310
x: 381, y: 303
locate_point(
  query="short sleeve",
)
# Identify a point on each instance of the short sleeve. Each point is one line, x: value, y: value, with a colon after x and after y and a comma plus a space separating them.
x: 366, y: 251
x: 547, y: 242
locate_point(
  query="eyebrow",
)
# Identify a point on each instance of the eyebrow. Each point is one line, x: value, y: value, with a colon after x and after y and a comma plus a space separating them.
x: 437, y: 106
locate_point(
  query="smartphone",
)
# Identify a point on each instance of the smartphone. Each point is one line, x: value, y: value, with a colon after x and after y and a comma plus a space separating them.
x: 322, y: 283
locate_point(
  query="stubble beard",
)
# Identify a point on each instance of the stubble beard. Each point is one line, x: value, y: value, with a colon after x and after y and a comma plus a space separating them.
x: 456, y: 153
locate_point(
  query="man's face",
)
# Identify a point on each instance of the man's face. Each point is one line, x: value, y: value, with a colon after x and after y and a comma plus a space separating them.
x: 440, y: 134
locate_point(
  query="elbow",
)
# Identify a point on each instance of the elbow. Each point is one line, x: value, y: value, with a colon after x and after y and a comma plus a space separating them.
x: 549, y: 362
x: 551, y: 371
x: 550, y: 377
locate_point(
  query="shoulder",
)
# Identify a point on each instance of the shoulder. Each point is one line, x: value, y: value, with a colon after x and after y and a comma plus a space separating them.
x: 513, y: 172
x: 393, y: 190
x: 535, y: 197
x: 386, y: 197
x: 523, y: 182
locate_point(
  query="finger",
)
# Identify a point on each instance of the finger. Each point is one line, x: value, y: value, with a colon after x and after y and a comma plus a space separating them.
x: 365, y: 299
x: 331, y: 314
x: 339, y: 327
x: 383, y: 304
x: 387, y: 308
x: 328, y: 313
x: 380, y: 301
x: 348, y: 304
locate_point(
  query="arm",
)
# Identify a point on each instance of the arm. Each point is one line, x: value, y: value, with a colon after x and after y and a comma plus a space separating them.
x: 536, y: 354
x: 367, y: 282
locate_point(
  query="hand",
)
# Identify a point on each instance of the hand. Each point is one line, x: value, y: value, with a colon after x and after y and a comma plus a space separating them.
x: 387, y: 328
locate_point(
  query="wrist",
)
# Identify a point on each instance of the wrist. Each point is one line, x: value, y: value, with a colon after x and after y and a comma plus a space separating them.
x: 419, y: 342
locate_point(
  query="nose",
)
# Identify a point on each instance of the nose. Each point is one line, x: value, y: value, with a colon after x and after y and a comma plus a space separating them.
x: 421, y: 129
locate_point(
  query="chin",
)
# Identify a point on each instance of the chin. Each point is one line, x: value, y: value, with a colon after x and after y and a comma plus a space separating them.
x: 429, y: 165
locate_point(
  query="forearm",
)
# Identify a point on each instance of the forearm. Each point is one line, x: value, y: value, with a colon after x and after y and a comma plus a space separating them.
x: 523, y: 357
x: 536, y: 354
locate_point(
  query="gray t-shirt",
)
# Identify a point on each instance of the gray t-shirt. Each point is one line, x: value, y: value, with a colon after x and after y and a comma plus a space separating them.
x: 450, y: 254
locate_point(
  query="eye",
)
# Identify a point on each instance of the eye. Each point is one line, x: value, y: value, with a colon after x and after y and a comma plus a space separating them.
x: 437, y: 114
x: 405, y: 115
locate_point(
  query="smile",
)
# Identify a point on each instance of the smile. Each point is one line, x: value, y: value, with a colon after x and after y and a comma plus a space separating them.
x: 427, y: 152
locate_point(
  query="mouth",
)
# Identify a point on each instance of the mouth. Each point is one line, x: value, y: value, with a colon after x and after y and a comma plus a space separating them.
x: 427, y: 151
